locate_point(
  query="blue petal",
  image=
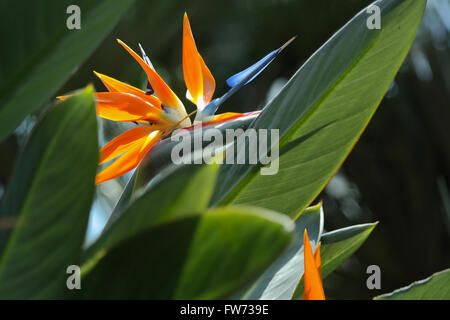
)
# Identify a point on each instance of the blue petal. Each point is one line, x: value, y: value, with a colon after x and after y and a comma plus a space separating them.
x: 251, y: 72
x: 211, y: 107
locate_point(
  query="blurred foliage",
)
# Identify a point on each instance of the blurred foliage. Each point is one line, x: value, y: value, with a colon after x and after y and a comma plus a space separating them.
x: 399, y: 172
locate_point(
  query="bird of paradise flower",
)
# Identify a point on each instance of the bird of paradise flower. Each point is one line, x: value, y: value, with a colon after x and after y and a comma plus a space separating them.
x: 159, y: 108
x: 313, y: 288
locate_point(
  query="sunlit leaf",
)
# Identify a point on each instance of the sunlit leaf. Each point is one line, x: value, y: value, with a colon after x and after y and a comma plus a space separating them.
x: 323, y: 109
x: 435, y: 287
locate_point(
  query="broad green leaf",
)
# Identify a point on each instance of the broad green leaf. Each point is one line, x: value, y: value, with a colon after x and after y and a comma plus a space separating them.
x: 435, y: 287
x: 186, y: 190
x: 204, y: 256
x: 49, y: 197
x: 323, y: 110
x: 39, y: 53
x: 280, y: 281
x: 337, y: 246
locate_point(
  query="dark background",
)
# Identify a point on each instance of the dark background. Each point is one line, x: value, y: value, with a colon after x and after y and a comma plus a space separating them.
x: 398, y: 173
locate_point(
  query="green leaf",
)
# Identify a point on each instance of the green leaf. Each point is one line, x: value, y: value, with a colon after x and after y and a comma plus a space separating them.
x: 323, y: 110
x: 40, y: 53
x: 204, y: 256
x: 49, y: 198
x: 337, y: 246
x: 435, y: 287
x: 280, y: 281
x: 186, y: 190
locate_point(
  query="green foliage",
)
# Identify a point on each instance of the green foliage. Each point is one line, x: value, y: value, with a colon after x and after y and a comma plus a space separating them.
x: 201, y: 256
x: 323, y: 110
x: 435, y: 287
x: 340, y: 244
x: 280, y: 281
x: 45, y: 53
x: 337, y: 246
x: 176, y: 232
x: 49, y: 201
x: 153, y: 206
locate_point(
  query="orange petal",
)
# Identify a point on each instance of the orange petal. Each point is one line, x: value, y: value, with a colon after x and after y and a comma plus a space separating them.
x: 120, y: 106
x: 162, y: 90
x: 198, y: 78
x: 317, y: 259
x: 312, y: 279
x: 129, y: 160
x: 223, y: 117
x: 209, y: 84
x: 125, y: 142
x: 62, y: 98
x: 114, y: 85
x: 192, y: 70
